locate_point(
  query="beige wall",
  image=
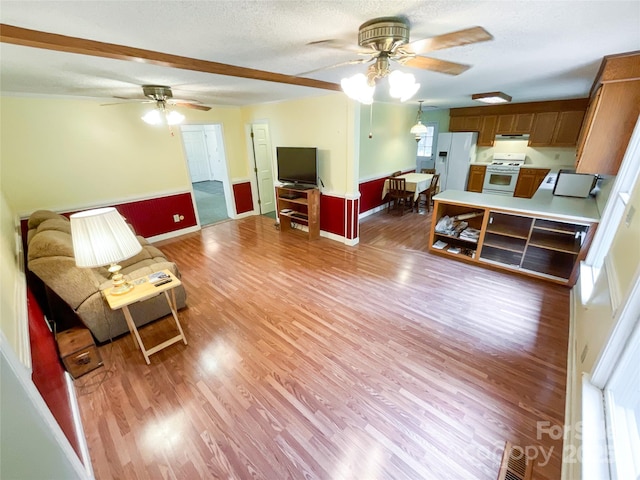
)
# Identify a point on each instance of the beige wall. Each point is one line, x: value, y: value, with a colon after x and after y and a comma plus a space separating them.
x: 325, y: 122
x: 595, y: 321
x: 392, y: 147
x: 45, y: 144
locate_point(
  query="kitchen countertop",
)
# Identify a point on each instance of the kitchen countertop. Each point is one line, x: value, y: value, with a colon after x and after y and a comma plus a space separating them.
x: 543, y: 202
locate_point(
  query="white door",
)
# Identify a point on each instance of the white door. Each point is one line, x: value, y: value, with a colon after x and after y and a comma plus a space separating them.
x: 425, y: 156
x: 197, y: 156
x: 263, y: 167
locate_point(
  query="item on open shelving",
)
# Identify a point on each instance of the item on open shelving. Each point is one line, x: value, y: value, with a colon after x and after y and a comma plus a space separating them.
x: 470, y: 234
x: 440, y: 244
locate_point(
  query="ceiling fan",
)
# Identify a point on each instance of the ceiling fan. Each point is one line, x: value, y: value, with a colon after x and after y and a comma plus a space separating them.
x: 386, y: 39
x: 162, y: 96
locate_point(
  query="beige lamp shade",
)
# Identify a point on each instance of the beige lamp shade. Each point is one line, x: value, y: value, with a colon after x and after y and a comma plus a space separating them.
x: 102, y: 237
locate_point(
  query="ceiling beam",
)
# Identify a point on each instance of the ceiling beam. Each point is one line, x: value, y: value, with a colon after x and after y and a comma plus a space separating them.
x: 63, y: 43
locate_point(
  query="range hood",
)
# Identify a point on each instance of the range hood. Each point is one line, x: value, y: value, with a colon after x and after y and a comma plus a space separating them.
x: 513, y: 136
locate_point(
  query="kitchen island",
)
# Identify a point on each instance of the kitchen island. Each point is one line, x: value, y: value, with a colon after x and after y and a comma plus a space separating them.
x: 545, y: 236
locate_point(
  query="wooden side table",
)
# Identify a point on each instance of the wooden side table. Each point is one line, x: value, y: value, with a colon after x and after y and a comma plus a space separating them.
x: 143, y: 290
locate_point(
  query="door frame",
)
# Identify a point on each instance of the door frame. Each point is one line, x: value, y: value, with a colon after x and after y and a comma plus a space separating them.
x: 226, y: 181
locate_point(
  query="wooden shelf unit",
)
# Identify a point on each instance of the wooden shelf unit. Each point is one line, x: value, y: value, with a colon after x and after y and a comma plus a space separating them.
x: 304, y: 206
x: 529, y: 244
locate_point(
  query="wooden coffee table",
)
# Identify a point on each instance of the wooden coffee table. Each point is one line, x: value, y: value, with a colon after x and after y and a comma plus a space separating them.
x: 142, y: 291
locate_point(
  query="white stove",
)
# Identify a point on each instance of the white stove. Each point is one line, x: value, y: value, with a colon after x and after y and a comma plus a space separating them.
x: 502, y: 173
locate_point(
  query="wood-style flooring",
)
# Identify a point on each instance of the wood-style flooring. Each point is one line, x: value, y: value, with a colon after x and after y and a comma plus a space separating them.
x: 315, y: 360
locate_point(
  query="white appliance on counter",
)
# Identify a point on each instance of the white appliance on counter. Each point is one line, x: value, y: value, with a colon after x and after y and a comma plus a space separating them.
x: 502, y: 173
x: 572, y: 184
x: 455, y: 151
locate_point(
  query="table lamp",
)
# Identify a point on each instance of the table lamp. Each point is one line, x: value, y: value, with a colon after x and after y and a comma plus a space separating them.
x: 101, y: 237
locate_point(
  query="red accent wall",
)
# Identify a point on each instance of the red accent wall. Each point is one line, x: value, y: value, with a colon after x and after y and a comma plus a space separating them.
x: 332, y: 214
x: 371, y: 194
x: 149, y: 217
x: 48, y: 373
x: 243, y: 197
x: 155, y: 216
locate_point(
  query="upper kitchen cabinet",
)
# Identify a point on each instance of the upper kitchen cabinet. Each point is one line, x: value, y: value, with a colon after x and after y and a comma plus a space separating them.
x: 550, y: 124
x: 556, y: 129
x: 612, y: 115
x: 511, y: 124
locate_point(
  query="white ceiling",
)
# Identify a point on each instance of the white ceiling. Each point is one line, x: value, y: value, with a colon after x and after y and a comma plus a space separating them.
x: 542, y: 50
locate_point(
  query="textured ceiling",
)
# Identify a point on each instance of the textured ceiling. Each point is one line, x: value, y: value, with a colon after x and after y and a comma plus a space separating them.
x: 542, y: 50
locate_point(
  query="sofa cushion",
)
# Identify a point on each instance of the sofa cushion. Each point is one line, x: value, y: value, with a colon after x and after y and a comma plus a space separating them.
x: 40, y: 216
x: 59, y: 224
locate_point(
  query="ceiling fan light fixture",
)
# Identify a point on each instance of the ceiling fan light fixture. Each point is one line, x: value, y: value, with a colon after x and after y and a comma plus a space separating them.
x: 160, y: 116
x: 174, y: 118
x: 357, y: 87
x: 152, y: 117
x: 402, y: 85
x: 491, y: 97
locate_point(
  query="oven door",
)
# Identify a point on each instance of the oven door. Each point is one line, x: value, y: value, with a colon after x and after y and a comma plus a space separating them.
x: 500, y: 183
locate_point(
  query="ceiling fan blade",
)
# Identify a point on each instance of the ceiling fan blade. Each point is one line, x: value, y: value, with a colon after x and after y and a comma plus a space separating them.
x: 191, y: 105
x: 448, y: 40
x: 339, y: 44
x: 128, y: 101
x: 435, y: 65
x: 336, y: 65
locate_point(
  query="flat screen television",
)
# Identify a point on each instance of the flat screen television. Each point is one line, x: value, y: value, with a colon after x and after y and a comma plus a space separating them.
x: 298, y: 166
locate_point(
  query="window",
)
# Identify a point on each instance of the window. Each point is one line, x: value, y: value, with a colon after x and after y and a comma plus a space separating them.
x: 425, y: 145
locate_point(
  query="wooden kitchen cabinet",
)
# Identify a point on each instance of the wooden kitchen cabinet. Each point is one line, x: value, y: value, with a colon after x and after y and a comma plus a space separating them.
x: 465, y: 124
x: 514, y: 124
x: 544, y: 125
x: 487, y: 133
x: 485, y: 125
x: 555, y: 123
x: 605, y: 135
x: 567, y: 129
x: 529, y: 180
x: 556, y: 129
x: 476, y: 178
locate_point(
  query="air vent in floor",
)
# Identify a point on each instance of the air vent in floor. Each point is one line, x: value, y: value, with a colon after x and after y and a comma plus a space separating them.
x: 514, y: 465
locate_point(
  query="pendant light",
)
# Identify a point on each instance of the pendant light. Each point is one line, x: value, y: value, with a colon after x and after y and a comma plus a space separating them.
x: 418, y: 129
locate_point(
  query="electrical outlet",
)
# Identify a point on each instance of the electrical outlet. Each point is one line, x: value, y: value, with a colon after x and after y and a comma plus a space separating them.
x: 557, y: 157
x: 176, y: 218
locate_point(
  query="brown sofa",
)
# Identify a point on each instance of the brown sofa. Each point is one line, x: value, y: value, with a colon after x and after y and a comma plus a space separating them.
x: 50, y: 257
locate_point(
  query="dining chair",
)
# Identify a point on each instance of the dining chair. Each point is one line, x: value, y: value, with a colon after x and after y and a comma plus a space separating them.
x: 429, y: 192
x: 428, y: 170
x: 399, y: 196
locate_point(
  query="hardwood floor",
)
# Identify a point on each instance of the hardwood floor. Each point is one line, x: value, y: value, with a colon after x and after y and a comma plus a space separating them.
x: 314, y: 360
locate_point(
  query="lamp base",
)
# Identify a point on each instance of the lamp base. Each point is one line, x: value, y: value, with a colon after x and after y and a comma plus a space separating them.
x: 120, y: 285
x: 121, y: 289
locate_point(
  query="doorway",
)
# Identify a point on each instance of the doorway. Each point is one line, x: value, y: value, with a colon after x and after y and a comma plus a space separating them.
x: 425, y: 156
x: 206, y: 159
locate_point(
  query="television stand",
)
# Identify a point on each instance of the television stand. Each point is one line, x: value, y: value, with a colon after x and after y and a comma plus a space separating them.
x: 300, y: 207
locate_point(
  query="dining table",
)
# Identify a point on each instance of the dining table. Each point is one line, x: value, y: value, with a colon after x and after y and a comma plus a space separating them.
x: 415, y: 182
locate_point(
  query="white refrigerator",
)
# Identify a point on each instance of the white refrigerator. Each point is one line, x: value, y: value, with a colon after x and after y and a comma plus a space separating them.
x: 454, y: 152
